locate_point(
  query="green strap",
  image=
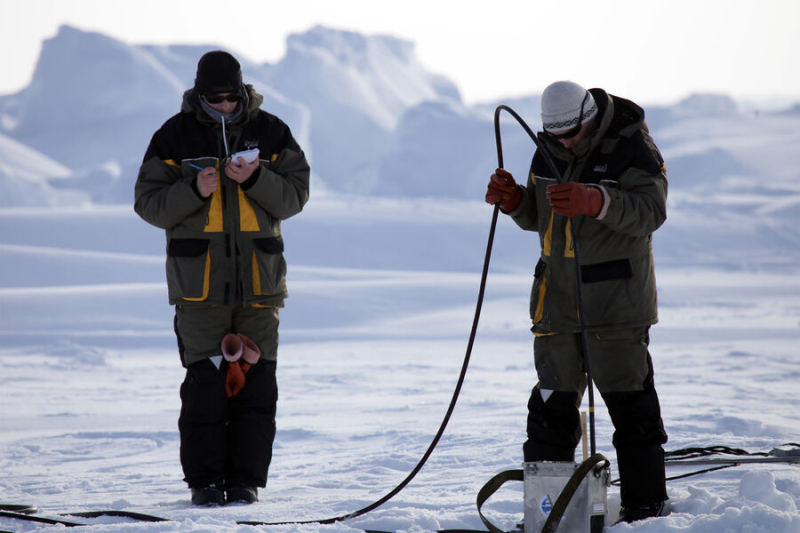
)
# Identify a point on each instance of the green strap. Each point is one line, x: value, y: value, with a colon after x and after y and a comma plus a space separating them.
x: 554, y: 518
x: 490, y: 488
x: 559, y: 507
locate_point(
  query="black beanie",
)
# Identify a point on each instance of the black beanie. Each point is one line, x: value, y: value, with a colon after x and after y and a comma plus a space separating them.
x: 218, y: 72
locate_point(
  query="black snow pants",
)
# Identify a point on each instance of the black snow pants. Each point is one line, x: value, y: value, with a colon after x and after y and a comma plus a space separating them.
x: 623, y: 372
x: 227, y: 441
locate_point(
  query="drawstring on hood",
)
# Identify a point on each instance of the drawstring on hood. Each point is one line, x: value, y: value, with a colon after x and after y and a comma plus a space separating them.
x: 222, y: 118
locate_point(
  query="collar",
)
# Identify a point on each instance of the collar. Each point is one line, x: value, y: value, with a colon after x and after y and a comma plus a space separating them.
x: 217, y: 116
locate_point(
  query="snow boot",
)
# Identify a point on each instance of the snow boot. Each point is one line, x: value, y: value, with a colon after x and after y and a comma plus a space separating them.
x: 642, y: 476
x: 209, y: 496
x: 242, y: 494
x: 634, y: 514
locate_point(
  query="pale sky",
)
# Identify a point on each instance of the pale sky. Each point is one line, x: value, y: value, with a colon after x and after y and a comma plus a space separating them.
x: 651, y: 51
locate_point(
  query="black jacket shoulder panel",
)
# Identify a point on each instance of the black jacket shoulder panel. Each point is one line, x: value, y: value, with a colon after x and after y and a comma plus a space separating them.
x: 279, y: 135
x: 541, y: 169
x: 637, y: 151
x: 180, y: 137
x: 164, y: 141
x: 628, y: 118
x: 646, y: 154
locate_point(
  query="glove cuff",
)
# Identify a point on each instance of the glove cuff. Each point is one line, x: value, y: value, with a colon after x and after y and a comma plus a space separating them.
x: 598, y: 201
x: 232, y: 347
x: 250, y: 352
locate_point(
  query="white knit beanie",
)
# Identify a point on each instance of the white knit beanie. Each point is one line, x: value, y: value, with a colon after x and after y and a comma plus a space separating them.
x: 561, y: 105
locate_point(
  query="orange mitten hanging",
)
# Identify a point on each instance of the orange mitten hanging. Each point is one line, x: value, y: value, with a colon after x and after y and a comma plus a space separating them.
x: 234, y: 379
x: 232, y: 350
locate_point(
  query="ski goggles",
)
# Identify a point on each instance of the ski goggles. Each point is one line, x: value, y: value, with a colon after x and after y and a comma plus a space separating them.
x: 218, y: 98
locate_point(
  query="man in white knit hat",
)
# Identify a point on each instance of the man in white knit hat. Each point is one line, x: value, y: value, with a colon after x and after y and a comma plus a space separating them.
x: 613, y: 189
x: 568, y: 111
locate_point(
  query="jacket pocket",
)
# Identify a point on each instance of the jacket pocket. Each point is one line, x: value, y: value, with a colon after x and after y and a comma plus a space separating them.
x: 269, y: 266
x: 188, y: 269
x: 610, y: 295
x: 610, y: 270
x: 538, y: 292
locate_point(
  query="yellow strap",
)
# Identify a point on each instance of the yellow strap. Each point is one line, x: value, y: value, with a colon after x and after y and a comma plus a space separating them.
x: 247, y: 215
x: 206, y: 280
x: 569, y: 251
x: 540, y: 300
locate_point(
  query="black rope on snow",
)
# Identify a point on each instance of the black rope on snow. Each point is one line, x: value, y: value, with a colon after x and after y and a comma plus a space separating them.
x: 705, y: 471
x: 696, y: 452
x: 691, y: 453
x: 616, y: 482
x: 448, y: 414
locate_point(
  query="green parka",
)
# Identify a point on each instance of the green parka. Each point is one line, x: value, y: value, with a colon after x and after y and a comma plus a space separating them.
x: 616, y: 254
x: 225, y: 250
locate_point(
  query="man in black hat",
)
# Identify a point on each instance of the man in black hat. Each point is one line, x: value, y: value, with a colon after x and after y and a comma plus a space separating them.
x: 219, y: 177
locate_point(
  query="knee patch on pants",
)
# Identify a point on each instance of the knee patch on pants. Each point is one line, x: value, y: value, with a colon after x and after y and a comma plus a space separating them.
x: 554, y: 426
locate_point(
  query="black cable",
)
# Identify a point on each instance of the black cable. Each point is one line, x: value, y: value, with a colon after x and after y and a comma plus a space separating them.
x: 706, y: 471
x: 471, y: 342
x: 616, y: 482
x: 17, y: 508
x: 585, y: 341
x: 557, y: 175
x: 451, y: 407
x: 461, y: 377
x: 547, y: 157
x: 691, y: 453
x: 696, y: 452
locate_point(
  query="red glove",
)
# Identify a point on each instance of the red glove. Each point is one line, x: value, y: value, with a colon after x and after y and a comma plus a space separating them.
x: 571, y: 199
x: 241, y: 353
x: 234, y: 379
x: 503, y: 189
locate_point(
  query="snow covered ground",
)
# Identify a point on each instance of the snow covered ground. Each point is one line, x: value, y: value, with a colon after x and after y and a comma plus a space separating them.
x: 371, y: 349
x: 382, y: 297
